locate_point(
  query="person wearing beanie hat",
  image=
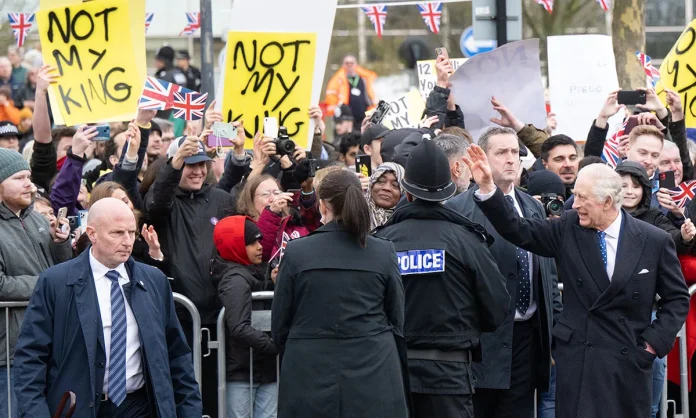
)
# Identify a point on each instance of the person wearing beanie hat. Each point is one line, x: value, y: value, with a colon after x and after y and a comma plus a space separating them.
x: 541, y: 182
x: 155, y: 145
x: 28, y: 247
x: 455, y: 304
x: 238, y: 271
x: 343, y: 120
x: 531, y: 283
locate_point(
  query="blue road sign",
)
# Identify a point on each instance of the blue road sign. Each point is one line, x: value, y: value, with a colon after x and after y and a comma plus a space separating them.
x: 471, y: 46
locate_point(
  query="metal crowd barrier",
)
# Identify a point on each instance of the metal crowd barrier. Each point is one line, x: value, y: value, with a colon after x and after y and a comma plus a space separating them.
x: 260, y: 320
x: 196, y: 319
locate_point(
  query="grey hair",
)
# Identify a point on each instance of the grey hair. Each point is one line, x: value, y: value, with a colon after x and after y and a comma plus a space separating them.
x: 454, y: 146
x: 607, y: 183
x: 495, y: 130
x: 692, y: 149
x: 670, y: 145
x: 164, y: 124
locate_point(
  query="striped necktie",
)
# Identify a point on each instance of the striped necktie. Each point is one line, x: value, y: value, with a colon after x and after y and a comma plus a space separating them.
x: 117, y: 358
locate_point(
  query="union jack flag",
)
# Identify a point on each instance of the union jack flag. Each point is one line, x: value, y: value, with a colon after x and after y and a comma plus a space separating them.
x: 610, y: 153
x: 548, y: 5
x: 194, y: 23
x: 650, y: 71
x: 431, y: 13
x: 189, y: 105
x: 158, y: 94
x: 604, y: 4
x: 683, y: 193
x: 148, y: 20
x: 377, y: 15
x: 21, y: 24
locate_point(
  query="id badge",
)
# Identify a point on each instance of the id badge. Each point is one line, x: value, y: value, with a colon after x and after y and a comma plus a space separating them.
x: 355, y: 92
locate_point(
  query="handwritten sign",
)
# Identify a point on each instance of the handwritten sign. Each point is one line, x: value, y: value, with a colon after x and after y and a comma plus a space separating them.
x: 269, y: 75
x: 427, y: 78
x: 91, y: 46
x: 405, y: 112
x: 579, y: 84
x: 512, y: 74
x: 678, y: 72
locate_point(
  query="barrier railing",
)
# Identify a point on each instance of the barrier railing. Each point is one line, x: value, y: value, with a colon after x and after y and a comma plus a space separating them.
x: 196, y: 319
x: 260, y: 320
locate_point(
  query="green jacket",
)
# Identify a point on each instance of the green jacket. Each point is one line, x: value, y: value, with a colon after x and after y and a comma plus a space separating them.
x: 26, y: 250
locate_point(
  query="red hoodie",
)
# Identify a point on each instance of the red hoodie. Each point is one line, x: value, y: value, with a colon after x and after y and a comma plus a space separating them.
x: 228, y: 236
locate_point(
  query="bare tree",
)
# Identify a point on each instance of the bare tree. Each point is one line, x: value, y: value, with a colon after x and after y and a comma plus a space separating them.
x: 628, y: 30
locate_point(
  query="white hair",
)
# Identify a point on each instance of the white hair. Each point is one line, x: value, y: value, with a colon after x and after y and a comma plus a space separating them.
x: 692, y: 149
x: 605, y: 183
x: 669, y: 145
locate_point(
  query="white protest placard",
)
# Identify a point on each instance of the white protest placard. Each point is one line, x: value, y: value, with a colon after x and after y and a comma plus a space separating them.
x: 512, y: 74
x: 405, y: 112
x: 582, y: 72
x: 427, y: 79
x: 285, y: 16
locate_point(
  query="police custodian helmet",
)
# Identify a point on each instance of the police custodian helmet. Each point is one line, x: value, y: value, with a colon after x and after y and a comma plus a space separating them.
x: 428, y: 173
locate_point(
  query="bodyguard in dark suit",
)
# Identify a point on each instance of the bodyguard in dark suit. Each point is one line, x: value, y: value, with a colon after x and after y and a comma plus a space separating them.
x: 104, y: 327
x: 614, y: 266
x: 517, y: 356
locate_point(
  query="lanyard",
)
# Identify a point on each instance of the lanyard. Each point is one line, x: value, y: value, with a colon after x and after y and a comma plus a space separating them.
x: 354, y: 81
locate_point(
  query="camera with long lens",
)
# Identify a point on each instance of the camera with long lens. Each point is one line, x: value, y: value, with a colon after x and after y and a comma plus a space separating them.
x: 553, y: 204
x: 284, y: 145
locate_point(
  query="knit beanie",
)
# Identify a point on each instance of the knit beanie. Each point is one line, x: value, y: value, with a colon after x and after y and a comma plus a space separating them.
x: 252, y: 233
x: 11, y: 163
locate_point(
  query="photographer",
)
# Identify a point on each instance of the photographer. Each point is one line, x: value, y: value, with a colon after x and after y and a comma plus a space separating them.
x: 547, y: 188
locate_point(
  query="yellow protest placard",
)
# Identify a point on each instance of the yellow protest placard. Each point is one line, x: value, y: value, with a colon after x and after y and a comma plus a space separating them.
x: 269, y: 75
x: 405, y: 112
x: 99, y: 50
x: 678, y: 73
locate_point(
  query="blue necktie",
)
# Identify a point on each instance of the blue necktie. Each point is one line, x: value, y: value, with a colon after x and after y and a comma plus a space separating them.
x: 117, y: 358
x: 522, y: 297
x: 603, y: 246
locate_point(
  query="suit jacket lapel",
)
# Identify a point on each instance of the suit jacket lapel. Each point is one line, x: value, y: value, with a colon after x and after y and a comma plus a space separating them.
x: 631, y: 243
x: 589, y: 250
x: 88, y: 312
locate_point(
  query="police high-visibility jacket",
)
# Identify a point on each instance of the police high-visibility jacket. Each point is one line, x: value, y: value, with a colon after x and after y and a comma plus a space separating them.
x: 338, y: 89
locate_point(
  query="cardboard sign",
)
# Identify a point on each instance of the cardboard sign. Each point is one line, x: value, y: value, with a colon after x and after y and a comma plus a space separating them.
x: 579, y: 83
x: 512, y: 74
x: 269, y: 74
x: 405, y: 112
x: 678, y: 73
x: 287, y: 16
x: 91, y: 46
x: 427, y: 78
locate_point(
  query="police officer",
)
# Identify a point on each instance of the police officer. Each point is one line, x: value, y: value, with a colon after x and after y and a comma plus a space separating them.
x: 454, y: 290
x: 193, y: 74
x: 164, y: 63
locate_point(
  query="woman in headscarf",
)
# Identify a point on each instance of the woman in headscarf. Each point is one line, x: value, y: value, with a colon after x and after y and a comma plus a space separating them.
x: 384, y: 192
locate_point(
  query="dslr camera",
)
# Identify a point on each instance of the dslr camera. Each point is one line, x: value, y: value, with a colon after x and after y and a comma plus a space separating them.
x: 553, y: 204
x: 284, y: 145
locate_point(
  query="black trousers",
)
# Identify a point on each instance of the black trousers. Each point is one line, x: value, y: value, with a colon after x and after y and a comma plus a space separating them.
x: 208, y: 368
x: 518, y: 401
x: 442, y: 406
x: 135, y: 405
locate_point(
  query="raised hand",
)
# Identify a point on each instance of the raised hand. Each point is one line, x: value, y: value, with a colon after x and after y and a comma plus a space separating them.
x: 507, y: 118
x: 480, y: 169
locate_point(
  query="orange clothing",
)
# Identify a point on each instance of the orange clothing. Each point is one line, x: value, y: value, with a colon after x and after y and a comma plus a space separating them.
x: 338, y: 89
x: 9, y: 112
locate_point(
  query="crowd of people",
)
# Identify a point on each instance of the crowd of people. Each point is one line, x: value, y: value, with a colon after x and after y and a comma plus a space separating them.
x: 426, y: 287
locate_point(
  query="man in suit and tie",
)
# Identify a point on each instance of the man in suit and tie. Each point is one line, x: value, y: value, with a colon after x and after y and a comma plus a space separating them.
x: 613, y: 267
x: 517, y: 356
x: 104, y: 327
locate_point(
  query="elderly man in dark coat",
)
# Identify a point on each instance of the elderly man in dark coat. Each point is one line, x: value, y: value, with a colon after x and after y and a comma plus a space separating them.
x: 614, y: 266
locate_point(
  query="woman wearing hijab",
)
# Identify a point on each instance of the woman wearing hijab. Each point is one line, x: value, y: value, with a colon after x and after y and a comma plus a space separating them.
x: 384, y: 193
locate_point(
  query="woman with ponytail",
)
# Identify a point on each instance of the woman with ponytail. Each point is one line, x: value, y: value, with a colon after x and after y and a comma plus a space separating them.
x: 338, y: 315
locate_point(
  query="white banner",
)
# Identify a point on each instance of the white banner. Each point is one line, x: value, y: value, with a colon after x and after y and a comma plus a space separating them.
x: 582, y: 72
x: 427, y: 79
x: 512, y: 75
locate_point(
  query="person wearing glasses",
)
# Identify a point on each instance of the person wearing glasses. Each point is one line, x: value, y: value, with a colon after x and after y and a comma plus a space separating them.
x: 277, y: 216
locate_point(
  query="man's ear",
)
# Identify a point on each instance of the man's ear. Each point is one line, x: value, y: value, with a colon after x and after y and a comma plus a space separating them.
x: 409, y: 197
x: 367, y: 149
x: 113, y: 160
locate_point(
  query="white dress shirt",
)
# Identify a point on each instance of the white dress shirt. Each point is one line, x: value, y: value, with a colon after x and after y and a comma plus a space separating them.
x: 612, y: 240
x: 532, y: 303
x: 134, y: 369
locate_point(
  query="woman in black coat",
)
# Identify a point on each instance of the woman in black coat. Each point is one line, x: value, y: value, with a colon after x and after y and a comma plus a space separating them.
x: 338, y: 315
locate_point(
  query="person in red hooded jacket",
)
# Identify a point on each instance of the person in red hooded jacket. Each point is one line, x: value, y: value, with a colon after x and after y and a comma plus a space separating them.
x: 238, y: 268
